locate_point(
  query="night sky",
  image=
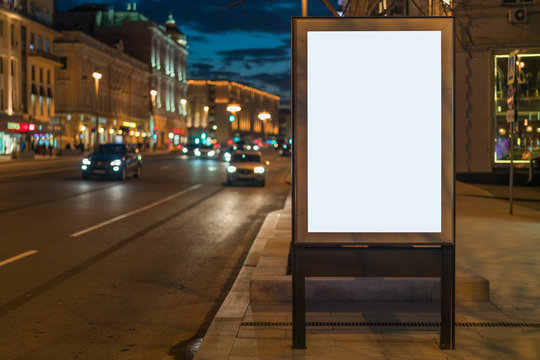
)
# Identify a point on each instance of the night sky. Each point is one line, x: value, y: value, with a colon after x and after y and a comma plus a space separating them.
x: 247, y: 41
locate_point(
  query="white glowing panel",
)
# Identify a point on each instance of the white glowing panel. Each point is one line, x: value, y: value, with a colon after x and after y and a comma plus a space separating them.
x: 374, y: 131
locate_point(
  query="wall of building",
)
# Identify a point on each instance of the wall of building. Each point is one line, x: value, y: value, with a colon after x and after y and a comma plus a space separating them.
x: 123, y: 104
x: 27, y: 65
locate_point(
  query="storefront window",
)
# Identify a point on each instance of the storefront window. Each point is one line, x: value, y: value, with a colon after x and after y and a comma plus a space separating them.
x: 527, y: 125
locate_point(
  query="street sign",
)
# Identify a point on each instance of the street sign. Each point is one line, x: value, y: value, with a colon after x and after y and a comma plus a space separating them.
x: 511, y: 68
x: 510, y: 116
x: 510, y: 97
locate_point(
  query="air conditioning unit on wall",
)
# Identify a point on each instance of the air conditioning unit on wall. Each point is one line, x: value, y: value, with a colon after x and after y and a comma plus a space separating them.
x: 517, y: 15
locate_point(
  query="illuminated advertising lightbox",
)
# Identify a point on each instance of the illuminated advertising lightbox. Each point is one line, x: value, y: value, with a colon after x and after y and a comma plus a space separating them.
x: 373, y: 117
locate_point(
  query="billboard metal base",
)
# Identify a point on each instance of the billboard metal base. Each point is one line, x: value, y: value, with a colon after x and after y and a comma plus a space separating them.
x: 374, y: 261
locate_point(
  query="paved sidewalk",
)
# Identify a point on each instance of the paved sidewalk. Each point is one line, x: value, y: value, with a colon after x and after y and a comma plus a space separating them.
x: 500, y: 247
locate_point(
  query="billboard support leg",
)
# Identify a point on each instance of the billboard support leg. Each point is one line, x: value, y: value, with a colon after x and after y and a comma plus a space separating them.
x: 299, y: 301
x: 448, y: 300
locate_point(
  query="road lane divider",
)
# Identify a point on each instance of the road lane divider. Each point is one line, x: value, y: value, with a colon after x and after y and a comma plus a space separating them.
x: 17, y: 257
x: 123, y: 216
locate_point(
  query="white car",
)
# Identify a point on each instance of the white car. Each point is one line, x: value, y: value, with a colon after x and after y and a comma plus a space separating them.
x: 246, y: 166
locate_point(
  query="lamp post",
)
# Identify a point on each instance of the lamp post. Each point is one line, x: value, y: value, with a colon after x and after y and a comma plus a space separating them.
x: 263, y: 116
x: 97, y: 76
x: 153, y: 94
x: 233, y: 109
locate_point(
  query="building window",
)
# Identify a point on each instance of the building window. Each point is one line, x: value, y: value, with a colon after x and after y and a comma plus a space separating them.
x: 41, y: 105
x: 39, y: 42
x: 13, y: 42
x: 32, y: 44
x: 40, y: 75
x: 47, y: 17
x: 48, y: 77
x: 12, y: 67
x: 527, y: 121
x: 33, y: 71
x: 33, y: 103
x: 1, y: 28
x: 48, y: 106
x: 47, y: 46
x: 63, y: 60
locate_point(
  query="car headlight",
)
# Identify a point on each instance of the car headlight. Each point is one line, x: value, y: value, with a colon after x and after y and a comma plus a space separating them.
x: 184, y: 150
x: 231, y: 169
x: 86, y: 161
x: 256, y: 147
x: 211, y: 153
x: 259, y: 170
x: 227, y: 157
x: 116, y: 162
x: 197, y: 152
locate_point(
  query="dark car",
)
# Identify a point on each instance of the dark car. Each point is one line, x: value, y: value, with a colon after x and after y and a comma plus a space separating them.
x: 189, y: 149
x: 112, y: 160
x: 285, y: 149
x: 206, y: 152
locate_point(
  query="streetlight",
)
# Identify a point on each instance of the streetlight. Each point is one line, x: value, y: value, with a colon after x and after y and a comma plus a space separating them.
x: 97, y: 76
x: 153, y: 139
x: 233, y: 109
x: 263, y: 116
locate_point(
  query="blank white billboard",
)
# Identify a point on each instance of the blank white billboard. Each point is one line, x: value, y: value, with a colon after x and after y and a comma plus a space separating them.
x: 374, y: 131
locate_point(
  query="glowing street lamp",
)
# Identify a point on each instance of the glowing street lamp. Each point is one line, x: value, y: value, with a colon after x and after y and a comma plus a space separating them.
x: 263, y: 116
x: 97, y: 76
x: 233, y: 108
x: 153, y: 94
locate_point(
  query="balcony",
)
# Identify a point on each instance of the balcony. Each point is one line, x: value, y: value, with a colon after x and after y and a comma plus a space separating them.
x: 45, y: 55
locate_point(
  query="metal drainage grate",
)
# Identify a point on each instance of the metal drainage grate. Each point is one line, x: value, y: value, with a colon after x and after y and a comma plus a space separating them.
x: 392, y: 324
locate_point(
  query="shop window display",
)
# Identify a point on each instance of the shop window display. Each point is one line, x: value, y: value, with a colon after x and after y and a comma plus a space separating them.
x: 527, y: 94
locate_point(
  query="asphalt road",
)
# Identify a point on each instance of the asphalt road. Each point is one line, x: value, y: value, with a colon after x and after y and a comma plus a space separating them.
x: 106, y: 269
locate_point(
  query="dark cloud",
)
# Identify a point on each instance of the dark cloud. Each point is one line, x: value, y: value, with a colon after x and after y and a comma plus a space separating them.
x: 258, y: 56
x: 218, y: 16
x: 280, y: 81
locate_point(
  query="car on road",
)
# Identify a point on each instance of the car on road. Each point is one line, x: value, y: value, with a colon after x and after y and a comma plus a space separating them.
x: 206, y: 152
x: 246, y: 166
x: 189, y: 149
x: 112, y: 160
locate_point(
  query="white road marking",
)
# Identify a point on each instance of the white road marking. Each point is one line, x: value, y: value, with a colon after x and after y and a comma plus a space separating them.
x: 36, y: 172
x: 17, y: 257
x: 123, y: 216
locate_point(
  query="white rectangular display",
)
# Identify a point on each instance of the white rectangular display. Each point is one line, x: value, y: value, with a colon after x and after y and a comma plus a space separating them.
x: 374, y: 131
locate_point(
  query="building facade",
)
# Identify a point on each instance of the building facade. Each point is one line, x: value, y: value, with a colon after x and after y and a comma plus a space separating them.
x: 256, y: 115
x: 27, y: 82
x: 487, y: 32
x: 163, y: 48
x: 122, y: 104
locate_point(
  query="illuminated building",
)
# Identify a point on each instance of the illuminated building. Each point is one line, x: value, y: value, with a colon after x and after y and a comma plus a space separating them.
x: 27, y: 67
x: 162, y: 47
x: 216, y: 120
x: 123, y: 98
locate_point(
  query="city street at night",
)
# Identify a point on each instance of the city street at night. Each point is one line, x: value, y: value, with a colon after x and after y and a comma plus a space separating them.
x: 105, y: 269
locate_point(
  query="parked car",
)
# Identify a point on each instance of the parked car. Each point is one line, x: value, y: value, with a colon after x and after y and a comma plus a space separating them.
x: 112, y: 160
x: 246, y: 166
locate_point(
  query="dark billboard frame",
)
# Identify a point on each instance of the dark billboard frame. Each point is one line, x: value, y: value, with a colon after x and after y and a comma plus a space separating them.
x: 381, y: 254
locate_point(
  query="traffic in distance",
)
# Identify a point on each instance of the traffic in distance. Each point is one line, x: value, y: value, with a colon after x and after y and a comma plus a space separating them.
x: 245, y: 163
